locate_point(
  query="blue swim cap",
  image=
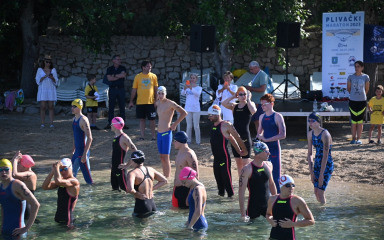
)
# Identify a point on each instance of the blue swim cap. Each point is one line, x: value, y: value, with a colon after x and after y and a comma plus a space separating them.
x: 259, y: 147
x: 315, y: 116
x: 181, y: 137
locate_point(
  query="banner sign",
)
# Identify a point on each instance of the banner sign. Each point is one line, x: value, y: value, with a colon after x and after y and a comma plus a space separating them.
x: 373, y: 44
x: 343, y: 39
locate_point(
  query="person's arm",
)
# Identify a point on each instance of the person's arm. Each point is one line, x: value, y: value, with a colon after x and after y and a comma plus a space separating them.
x: 84, y: 124
x: 198, y: 197
x: 272, y: 186
x: 123, y: 74
x: 161, y: 180
x: 48, y: 184
x: 366, y: 87
x: 260, y: 130
x: 133, y: 95
x: 281, y: 126
x: 227, y: 103
x: 23, y: 193
x: 269, y: 214
x: 327, y: 141
x: 251, y: 105
x: 255, y: 89
x: 349, y: 84
x: 59, y: 180
x: 54, y: 77
x: 193, y: 163
x: 309, y: 156
x: 155, y: 91
x: 243, y: 182
x: 182, y: 115
x: 301, y: 208
x: 236, y: 140
x: 196, y: 91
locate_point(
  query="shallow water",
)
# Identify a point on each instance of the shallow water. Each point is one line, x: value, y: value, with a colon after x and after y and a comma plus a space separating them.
x: 353, y: 211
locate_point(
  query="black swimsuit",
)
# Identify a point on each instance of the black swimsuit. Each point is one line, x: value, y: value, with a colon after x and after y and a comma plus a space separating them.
x: 144, y: 208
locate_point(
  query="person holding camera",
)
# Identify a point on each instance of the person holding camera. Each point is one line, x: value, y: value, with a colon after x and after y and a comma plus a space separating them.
x: 91, y: 103
x: 46, y: 78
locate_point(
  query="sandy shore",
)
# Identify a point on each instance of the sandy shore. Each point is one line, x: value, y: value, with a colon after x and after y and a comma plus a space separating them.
x: 353, y: 163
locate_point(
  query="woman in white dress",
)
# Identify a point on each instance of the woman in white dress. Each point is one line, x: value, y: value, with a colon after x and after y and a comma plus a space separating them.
x: 46, y: 78
x: 192, y: 105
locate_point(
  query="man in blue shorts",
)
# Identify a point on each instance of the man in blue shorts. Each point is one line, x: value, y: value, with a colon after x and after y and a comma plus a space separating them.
x: 165, y: 110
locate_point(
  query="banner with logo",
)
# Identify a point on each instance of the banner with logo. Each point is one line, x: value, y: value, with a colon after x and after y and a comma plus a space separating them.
x: 373, y: 44
x: 343, y: 40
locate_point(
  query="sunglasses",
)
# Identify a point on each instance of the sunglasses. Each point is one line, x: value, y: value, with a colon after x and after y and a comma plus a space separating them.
x: 6, y: 169
x: 265, y: 104
x: 64, y: 169
x: 311, y: 120
x: 288, y: 185
x: 242, y: 94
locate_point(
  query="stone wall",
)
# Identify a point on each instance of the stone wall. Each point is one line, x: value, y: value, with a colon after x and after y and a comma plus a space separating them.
x: 171, y: 56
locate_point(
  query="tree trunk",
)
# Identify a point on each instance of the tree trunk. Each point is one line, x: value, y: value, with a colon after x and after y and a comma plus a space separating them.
x: 372, y: 70
x: 29, y: 28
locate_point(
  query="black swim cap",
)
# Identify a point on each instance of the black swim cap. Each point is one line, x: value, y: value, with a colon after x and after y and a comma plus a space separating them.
x: 181, y: 137
x: 138, y: 156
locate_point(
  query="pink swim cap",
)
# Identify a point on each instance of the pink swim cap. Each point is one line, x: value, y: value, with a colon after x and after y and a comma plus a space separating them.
x: 27, y: 161
x: 187, y: 174
x: 118, y: 123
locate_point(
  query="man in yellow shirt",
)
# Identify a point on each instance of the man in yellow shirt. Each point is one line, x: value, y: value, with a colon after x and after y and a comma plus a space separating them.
x: 145, y: 86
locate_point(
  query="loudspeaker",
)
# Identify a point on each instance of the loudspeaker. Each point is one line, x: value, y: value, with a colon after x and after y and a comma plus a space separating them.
x: 311, y: 95
x: 288, y: 35
x: 203, y: 38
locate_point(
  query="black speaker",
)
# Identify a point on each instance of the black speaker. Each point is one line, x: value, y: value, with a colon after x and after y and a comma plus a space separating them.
x: 288, y: 35
x: 203, y: 38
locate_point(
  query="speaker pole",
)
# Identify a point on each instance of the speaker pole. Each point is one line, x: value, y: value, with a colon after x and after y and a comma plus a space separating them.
x: 201, y: 77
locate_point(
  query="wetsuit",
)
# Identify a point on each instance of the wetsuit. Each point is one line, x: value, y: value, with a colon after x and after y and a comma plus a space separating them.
x: 118, y: 178
x: 80, y: 141
x: 318, y: 144
x: 281, y: 210
x: 65, y: 206
x: 242, y: 118
x: 201, y: 223
x: 221, y: 161
x: 179, y: 197
x: 13, y: 210
x: 258, y: 187
x: 271, y: 129
x: 144, y: 208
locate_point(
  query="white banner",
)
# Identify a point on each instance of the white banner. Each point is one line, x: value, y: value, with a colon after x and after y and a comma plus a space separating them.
x: 343, y: 41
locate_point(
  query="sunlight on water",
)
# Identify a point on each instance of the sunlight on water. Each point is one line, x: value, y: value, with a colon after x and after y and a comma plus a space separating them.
x: 353, y: 212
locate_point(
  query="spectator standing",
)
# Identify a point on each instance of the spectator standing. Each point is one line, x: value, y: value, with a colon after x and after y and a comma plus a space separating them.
x: 224, y: 91
x: 91, y: 103
x: 116, y: 75
x: 46, y: 78
x: 376, y: 108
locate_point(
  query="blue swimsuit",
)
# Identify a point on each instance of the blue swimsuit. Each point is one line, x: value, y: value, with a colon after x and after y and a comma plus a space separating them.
x: 318, y: 144
x: 202, y: 221
x: 80, y: 141
x: 271, y: 129
x: 164, y: 142
x: 13, y: 210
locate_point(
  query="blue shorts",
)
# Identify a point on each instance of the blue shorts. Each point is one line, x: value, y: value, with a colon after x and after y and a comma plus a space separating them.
x: 255, y: 117
x: 164, y: 142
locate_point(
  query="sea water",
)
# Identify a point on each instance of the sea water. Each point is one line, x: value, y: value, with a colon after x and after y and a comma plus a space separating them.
x: 353, y: 211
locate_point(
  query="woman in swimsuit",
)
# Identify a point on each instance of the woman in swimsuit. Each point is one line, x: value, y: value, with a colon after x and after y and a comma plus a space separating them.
x: 196, y: 199
x: 140, y: 184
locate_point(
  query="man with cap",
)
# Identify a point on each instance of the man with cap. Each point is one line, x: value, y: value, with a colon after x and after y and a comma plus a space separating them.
x: 120, y: 145
x: 185, y: 157
x: 145, y: 87
x: 221, y: 132
x: 165, y: 110
x: 197, y: 199
x: 283, y: 210
x: 258, y: 88
x: 140, y: 185
x: 22, y: 171
x: 14, y: 195
x: 82, y: 142
x: 257, y: 177
x: 321, y: 170
x: 68, y: 188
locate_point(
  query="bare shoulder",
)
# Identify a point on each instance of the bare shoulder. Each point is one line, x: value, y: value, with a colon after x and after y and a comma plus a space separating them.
x: 268, y: 164
x: 296, y: 200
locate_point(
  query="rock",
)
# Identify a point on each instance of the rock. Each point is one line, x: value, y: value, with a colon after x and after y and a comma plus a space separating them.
x: 32, y: 110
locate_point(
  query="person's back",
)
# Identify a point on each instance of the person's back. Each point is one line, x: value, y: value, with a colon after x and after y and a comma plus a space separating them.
x: 144, y: 180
